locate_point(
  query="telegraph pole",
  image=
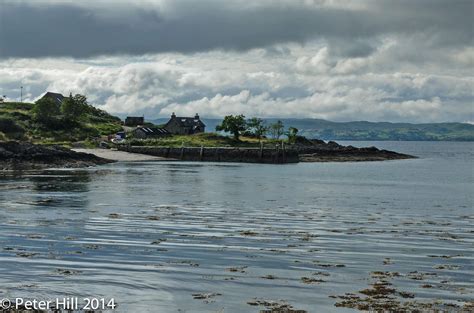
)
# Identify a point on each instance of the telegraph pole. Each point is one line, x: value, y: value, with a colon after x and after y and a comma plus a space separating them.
x: 21, y: 94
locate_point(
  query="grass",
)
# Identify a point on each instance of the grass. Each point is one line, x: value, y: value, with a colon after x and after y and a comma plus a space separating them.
x: 202, y: 139
x: 96, y: 123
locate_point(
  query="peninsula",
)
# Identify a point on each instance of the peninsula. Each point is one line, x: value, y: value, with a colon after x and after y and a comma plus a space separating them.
x: 40, y: 134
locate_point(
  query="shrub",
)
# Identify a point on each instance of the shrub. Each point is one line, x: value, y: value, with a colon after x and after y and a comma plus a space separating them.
x: 11, y: 129
x: 46, y: 111
x: 9, y: 126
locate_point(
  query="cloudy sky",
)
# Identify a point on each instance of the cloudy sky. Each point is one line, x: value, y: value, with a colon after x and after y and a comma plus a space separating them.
x: 376, y: 60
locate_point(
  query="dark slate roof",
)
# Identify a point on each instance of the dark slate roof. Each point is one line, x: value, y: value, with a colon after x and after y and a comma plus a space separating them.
x: 134, y: 120
x: 57, y: 97
x: 151, y: 131
x: 189, y: 122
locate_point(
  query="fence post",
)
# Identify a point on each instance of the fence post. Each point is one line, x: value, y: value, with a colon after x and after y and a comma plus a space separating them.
x: 283, y: 152
x: 277, y: 153
x: 201, y: 153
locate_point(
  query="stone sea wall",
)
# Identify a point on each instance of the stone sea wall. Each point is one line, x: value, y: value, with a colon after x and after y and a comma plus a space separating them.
x: 218, y: 154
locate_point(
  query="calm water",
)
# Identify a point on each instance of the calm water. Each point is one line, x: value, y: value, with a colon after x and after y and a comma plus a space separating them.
x: 152, y: 234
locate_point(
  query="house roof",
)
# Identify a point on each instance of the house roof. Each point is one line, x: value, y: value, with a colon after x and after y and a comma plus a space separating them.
x: 188, y: 122
x: 57, y: 97
x: 150, y: 131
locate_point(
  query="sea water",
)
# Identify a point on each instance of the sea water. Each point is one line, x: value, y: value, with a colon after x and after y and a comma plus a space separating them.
x: 211, y: 237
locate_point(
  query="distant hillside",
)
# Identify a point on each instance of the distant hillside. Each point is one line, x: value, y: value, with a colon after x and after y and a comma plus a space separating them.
x: 17, y: 122
x: 327, y: 130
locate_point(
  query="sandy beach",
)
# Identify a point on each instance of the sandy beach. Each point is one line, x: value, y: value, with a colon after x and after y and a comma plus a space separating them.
x: 121, y: 155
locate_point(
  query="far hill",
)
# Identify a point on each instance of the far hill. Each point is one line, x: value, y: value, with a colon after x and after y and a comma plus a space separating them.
x: 361, y: 130
x: 17, y: 122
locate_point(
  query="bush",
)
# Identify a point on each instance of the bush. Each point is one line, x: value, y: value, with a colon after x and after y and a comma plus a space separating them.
x: 74, y: 108
x: 9, y: 126
x: 11, y: 129
x: 46, y: 111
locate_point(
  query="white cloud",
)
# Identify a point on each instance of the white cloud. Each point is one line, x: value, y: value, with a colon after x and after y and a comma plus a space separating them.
x: 390, y: 77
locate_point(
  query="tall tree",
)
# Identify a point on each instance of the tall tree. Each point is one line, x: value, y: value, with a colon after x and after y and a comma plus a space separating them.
x: 257, y: 127
x: 277, y: 129
x: 234, y: 124
x: 292, y: 133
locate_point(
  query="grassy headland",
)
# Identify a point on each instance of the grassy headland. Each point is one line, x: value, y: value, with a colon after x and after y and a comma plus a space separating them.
x: 18, y: 122
x: 74, y: 122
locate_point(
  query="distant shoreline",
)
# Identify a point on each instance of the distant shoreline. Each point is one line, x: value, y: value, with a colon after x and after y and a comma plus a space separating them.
x: 368, y: 131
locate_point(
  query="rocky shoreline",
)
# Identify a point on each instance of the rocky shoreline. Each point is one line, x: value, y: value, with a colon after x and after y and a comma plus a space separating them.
x: 319, y: 151
x: 25, y: 156
x: 304, y: 150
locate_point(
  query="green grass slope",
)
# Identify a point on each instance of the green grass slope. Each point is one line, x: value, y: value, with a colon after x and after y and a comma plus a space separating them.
x: 17, y: 123
x: 201, y: 139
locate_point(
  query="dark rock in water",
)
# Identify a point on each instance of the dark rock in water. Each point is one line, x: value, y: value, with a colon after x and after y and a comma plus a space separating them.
x: 319, y: 151
x: 25, y: 155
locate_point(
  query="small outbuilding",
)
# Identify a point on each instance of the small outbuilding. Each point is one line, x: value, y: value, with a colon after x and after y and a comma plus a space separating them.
x: 134, y: 121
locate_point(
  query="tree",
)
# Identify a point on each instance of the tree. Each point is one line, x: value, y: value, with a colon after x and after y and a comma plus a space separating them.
x: 291, y: 134
x: 233, y: 124
x: 257, y: 127
x: 46, y: 111
x: 73, y: 108
x: 276, y: 129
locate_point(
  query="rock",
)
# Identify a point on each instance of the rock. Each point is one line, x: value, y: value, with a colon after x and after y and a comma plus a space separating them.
x: 310, y: 280
x: 205, y: 296
x: 319, y: 151
x: 24, y: 155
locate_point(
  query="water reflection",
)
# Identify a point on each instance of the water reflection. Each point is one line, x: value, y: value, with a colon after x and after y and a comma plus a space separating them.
x: 61, y: 181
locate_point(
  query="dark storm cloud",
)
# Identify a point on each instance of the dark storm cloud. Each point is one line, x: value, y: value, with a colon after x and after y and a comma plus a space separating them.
x: 39, y: 29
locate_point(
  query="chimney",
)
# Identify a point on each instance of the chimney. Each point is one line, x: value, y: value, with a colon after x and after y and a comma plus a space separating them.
x: 173, y: 115
x: 196, y: 116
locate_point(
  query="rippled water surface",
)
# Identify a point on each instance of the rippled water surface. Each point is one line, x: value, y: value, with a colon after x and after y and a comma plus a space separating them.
x: 152, y: 234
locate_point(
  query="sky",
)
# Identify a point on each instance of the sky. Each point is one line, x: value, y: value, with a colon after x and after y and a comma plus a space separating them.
x: 373, y: 60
